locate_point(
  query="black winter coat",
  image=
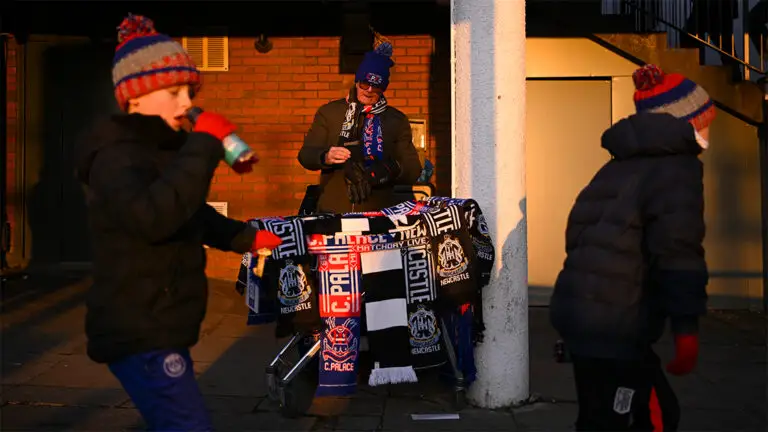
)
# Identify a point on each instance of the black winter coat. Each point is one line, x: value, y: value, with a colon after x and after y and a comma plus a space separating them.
x: 634, y: 243
x: 324, y: 133
x: 146, y: 188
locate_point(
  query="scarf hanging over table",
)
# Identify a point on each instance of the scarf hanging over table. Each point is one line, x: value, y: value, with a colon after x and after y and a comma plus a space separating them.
x: 387, y: 317
x: 371, y: 134
x: 385, y: 299
x: 407, y: 228
x: 289, y: 278
x: 483, y: 250
x: 421, y: 292
x: 340, y: 309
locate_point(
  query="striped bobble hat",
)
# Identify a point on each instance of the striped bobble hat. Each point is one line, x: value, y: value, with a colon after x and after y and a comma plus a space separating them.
x: 146, y: 61
x: 673, y: 94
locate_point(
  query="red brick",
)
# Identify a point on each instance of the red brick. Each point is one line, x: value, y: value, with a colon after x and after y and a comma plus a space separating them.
x: 304, y: 61
x: 318, y: 52
x: 304, y: 77
x: 317, y: 86
x: 288, y: 85
x: 328, y: 43
x: 262, y: 59
x: 334, y: 60
x: 305, y: 43
x: 407, y: 60
x: 419, y: 51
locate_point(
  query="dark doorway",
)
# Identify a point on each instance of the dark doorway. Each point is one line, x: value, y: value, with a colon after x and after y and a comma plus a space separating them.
x: 68, y: 87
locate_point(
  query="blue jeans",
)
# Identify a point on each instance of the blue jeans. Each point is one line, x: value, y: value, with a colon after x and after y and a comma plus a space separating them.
x: 162, y: 385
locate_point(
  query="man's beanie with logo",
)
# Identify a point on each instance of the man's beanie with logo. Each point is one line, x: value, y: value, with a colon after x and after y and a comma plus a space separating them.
x: 374, y: 69
x: 673, y: 94
x: 146, y: 61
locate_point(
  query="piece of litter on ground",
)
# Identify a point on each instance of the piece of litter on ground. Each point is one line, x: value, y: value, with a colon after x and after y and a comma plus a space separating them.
x: 447, y: 416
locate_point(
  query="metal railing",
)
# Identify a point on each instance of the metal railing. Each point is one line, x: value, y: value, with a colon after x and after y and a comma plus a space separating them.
x: 733, y: 29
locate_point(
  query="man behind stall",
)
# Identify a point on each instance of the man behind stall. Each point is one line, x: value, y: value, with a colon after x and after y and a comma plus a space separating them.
x: 361, y: 145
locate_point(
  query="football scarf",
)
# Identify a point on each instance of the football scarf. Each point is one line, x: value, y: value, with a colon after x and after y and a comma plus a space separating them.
x: 387, y: 317
x: 288, y: 275
x: 446, y: 257
x: 421, y: 292
x: 340, y: 310
x: 294, y: 292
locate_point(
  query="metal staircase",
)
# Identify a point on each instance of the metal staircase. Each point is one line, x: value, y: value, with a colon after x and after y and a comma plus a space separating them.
x: 709, y: 41
x: 733, y: 30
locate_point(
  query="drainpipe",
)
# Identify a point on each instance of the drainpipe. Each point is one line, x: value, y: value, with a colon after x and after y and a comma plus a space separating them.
x: 4, y: 228
x: 763, y: 135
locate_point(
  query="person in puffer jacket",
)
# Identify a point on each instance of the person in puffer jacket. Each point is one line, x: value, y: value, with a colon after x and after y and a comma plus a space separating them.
x: 634, y: 258
x: 146, y: 181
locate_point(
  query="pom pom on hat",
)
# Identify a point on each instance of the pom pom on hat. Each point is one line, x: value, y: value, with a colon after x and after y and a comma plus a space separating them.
x: 134, y: 26
x: 374, y: 69
x: 674, y: 94
x: 384, y: 49
x: 146, y: 61
x: 647, y: 77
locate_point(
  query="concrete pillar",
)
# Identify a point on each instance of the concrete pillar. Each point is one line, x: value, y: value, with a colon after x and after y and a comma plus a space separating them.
x: 488, y: 38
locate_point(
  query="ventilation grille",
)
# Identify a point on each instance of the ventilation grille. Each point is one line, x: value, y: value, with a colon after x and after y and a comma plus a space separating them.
x: 210, y: 53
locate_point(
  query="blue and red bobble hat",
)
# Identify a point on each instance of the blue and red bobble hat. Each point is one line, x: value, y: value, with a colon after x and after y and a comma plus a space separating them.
x: 146, y: 61
x: 374, y: 69
x: 673, y: 94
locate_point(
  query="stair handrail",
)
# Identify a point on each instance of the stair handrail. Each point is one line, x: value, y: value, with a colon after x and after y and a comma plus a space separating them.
x: 640, y: 7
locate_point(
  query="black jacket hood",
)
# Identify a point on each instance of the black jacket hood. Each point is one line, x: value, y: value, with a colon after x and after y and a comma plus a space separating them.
x: 149, y: 130
x: 648, y: 134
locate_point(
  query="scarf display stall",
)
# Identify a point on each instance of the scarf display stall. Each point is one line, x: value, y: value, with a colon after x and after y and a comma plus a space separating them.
x: 395, y: 272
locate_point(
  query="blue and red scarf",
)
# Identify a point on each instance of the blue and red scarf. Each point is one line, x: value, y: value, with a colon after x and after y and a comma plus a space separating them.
x: 370, y: 132
x: 340, y: 308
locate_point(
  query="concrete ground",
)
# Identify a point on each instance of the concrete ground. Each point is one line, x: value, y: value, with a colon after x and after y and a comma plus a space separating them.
x: 48, y: 383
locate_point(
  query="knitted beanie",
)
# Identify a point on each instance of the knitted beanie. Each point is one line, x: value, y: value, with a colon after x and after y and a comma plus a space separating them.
x: 374, y: 69
x: 672, y: 94
x: 146, y: 61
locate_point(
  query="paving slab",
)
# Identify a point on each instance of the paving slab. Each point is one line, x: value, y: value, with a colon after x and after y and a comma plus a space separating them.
x: 238, y: 367
x: 546, y: 417
x: 77, y: 371
x: 263, y: 421
x: 356, y: 405
x: 46, y: 418
x: 358, y: 423
x: 397, y: 417
x: 20, y: 370
x: 67, y: 396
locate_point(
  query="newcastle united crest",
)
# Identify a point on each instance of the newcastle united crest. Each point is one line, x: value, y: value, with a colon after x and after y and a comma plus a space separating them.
x: 450, y: 257
x: 292, y: 285
x: 424, y: 328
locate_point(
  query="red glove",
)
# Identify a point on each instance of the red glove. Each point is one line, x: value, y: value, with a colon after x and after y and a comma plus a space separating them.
x: 214, y: 124
x: 656, y: 414
x: 686, y: 354
x: 265, y: 240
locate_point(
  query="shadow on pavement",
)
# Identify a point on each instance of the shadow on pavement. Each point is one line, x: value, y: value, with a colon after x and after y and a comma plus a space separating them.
x: 48, y: 383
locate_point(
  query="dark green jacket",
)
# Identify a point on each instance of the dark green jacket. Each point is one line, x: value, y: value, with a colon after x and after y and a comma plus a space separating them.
x: 324, y: 133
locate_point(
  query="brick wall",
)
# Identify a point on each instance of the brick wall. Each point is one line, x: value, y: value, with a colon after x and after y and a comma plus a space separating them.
x: 273, y: 98
x: 12, y: 114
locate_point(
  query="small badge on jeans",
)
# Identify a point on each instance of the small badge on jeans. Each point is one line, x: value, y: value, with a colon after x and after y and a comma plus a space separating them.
x: 174, y: 365
x: 622, y: 402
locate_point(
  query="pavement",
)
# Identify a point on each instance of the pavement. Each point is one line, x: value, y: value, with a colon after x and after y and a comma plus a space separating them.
x: 48, y: 382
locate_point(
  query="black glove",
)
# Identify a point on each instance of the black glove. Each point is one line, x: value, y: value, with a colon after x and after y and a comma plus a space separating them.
x: 382, y: 172
x: 358, y: 187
